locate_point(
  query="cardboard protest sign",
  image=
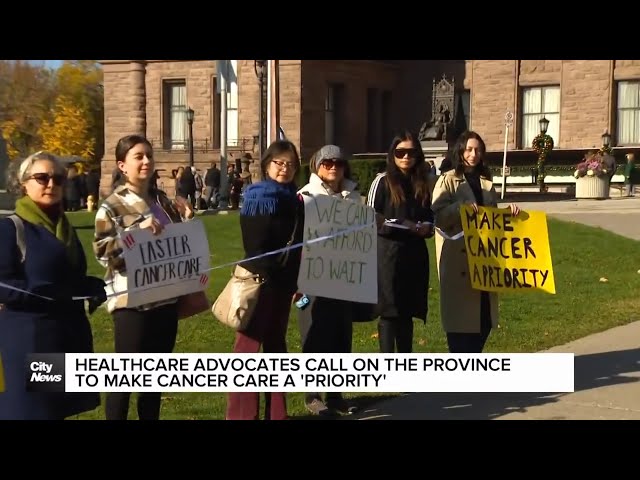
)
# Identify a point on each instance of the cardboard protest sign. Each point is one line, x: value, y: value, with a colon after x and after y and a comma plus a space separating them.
x: 507, y: 253
x: 344, y: 267
x: 168, y: 265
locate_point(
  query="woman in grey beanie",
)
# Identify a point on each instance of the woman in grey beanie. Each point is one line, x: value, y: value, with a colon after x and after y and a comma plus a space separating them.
x: 326, y: 323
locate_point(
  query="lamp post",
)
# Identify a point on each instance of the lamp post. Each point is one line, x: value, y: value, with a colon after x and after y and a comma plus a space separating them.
x: 606, y: 144
x: 190, y: 114
x: 508, y: 123
x: 260, y: 67
x: 542, y: 144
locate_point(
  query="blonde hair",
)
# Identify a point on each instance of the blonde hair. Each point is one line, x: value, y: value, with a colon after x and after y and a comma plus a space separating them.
x: 18, y: 176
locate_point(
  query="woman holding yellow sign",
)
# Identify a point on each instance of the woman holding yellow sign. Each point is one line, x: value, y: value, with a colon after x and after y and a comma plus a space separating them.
x: 467, y: 315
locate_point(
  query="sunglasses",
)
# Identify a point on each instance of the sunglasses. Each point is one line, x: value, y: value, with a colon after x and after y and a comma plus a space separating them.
x: 401, y: 152
x: 43, y: 178
x: 331, y: 162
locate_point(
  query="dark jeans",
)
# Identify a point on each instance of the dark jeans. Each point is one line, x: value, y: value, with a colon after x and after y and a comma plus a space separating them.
x: 151, y: 331
x: 268, y: 328
x: 395, y: 332
x: 326, y: 327
x: 473, y: 342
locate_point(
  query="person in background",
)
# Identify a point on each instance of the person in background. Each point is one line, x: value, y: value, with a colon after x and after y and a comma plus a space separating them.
x: 326, y: 323
x: 188, y: 186
x: 467, y: 315
x: 197, y: 178
x: 53, y: 266
x: 403, y: 195
x: 72, y: 190
x: 152, y: 327
x: 212, y: 186
x: 628, y: 173
x: 177, y: 175
x: 93, y: 184
x: 272, y: 215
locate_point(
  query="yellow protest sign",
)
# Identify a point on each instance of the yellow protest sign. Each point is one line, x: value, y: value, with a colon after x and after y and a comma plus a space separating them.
x: 507, y: 253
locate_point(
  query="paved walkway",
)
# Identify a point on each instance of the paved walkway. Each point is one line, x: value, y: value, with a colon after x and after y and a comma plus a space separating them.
x: 607, y: 364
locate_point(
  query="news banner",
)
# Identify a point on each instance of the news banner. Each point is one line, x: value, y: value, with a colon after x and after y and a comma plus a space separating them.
x: 296, y: 372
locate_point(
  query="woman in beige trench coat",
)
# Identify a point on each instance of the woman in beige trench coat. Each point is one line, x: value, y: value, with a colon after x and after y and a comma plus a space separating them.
x: 467, y: 315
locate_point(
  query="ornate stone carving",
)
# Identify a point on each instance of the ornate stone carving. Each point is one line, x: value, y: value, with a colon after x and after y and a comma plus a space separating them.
x: 442, y: 110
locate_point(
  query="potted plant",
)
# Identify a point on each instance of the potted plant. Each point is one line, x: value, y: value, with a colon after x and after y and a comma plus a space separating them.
x: 592, y: 177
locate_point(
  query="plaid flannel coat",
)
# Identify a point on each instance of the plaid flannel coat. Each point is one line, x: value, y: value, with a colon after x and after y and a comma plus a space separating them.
x: 123, y: 210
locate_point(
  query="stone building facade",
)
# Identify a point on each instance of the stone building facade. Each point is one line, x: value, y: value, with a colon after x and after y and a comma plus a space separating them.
x: 582, y: 99
x: 355, y: 103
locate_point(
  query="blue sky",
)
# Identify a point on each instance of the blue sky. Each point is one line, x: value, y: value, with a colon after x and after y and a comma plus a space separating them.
x: 48, y: 63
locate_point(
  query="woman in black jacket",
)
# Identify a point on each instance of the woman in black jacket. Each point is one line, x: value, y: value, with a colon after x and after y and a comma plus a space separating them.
x: 272, y: 215
x: 403, y: 195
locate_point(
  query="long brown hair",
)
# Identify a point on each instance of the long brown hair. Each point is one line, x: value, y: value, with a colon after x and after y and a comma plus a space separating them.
x: 418, y: 173
x: 458, y: 154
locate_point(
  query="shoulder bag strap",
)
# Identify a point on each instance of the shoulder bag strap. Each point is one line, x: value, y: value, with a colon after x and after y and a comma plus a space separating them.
x: 20, y: 242
x: 285, y: 255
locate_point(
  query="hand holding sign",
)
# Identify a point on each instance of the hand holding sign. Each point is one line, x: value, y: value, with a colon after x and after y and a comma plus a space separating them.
x: 507, y: 250
x: 152, y: 224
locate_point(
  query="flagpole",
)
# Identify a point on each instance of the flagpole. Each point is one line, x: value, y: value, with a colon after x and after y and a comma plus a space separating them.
x: 273, y: 101
x: 269, y: 102
x: 222, y: 72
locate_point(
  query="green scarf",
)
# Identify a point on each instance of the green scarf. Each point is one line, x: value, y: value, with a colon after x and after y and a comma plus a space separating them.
x: 27, y: 209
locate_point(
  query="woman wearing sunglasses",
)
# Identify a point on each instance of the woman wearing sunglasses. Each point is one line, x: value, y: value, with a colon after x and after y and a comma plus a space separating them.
x: 53, y: 266
x: 402, y: 195
x: 326, y: 323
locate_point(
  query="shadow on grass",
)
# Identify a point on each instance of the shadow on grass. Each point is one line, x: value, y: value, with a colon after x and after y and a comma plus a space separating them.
x: 363, y: 402
x: 516, y: 197
x: 592, y: 371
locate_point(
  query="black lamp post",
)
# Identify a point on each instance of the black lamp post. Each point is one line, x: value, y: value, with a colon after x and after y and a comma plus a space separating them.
x: 606, y: 143
x: 260, y: 67
x: 542, y: 145
x: 190, y: 114
x: 544, y: 125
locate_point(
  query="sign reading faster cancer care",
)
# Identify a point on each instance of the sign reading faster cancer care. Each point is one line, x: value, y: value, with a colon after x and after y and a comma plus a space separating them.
x: 507, y: 253
x: 168, y: 265
x: 344, y: 265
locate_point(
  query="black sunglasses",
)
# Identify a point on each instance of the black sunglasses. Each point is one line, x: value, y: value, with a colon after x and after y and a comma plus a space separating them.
x: 330, y: 162
x: 401, y: 152
x: 43, y: 178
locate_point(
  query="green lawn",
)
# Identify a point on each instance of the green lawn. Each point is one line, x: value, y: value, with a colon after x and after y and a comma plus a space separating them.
x: 530, y: 322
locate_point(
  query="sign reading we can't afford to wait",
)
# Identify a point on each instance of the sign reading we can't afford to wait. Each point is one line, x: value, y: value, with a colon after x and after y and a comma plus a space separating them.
x: 507, y: 253
x: 345, y: 264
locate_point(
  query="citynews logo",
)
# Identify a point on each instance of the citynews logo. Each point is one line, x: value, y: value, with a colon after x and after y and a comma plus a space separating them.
x: 45, y: 372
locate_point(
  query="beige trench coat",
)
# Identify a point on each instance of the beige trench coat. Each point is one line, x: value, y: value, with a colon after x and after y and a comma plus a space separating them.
x: 459, y: 303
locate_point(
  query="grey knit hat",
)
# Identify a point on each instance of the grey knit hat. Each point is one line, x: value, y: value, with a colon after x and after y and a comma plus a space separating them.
x: 329, y: 152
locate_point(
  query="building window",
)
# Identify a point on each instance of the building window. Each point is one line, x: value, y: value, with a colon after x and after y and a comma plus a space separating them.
x: 232, y: 104
x: 175, y: 115
x: 628, y: 119
x: 333, y: 113
x: 216, y: 114
x: 538, y: 102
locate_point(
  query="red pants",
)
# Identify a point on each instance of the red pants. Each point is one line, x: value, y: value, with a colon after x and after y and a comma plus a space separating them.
x: 268, y: 328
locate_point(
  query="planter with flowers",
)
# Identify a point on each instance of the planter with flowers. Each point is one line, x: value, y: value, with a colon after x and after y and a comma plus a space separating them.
x: 592, y: 178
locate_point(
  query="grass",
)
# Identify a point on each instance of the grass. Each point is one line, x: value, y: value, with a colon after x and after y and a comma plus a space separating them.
x: 529, y: 321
